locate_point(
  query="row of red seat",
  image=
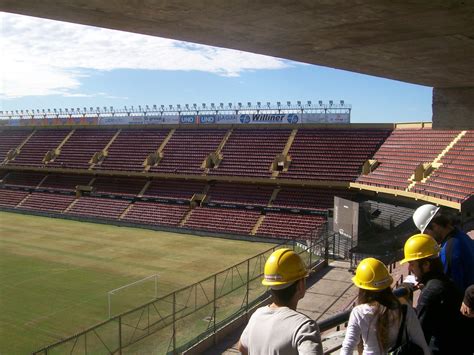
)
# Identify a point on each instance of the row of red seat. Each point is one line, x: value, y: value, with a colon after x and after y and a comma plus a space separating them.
x: 247, y: 152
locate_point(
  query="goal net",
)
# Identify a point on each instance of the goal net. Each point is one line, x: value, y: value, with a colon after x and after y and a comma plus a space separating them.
x: 132, y: 295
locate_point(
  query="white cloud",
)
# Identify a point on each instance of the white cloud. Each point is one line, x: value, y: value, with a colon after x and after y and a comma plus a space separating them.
x: 44, y: 57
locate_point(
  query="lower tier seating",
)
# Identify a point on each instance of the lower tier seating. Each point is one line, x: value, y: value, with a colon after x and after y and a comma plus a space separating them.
x: 222, y: 220
x: 47, y: 202
x: 98, y: 207
x: 288, y: 226
x: 156, y: 213
x: 11, y: 198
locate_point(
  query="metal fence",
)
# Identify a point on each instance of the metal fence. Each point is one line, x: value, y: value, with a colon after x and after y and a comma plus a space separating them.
x: 180, y: 319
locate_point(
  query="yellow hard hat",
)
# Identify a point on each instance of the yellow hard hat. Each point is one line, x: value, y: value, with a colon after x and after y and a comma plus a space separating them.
x: 283, y: 267
x: 420, y: 246
x: 372, y: 274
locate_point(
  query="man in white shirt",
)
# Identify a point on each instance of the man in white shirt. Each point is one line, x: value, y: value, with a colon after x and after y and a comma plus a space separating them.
x: 279, y: 328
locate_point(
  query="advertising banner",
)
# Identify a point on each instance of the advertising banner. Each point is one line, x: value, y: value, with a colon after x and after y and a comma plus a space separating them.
x: 269, y: 118
x: 227, y: 119
x: 188, y: 119
x: 326, y: 118
x: 171, y: 119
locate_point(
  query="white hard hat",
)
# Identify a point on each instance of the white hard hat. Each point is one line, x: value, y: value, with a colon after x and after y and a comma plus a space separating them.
x: 423, y: 216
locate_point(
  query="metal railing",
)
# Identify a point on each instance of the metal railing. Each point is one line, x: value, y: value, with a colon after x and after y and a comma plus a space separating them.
x: 173, y: 323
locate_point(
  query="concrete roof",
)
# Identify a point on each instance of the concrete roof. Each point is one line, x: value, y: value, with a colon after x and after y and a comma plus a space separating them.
x: 424, y: 42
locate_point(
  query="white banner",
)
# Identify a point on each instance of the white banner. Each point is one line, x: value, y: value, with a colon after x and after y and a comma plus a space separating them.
x: 326, y: 118
x: 270, y: 118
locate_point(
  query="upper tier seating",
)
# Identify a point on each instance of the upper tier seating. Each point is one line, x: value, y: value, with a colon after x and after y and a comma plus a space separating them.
x: 118, y: 186
x: 288, y: 226
x: 251, y: 152
x: 240, y: 194
x: 65, y: 182
x: 11, y: 198
x: 47, y: 202
x: 222, y: 220
x: 174, y: 189
x: 332, y: 154
x: 156, y: 213
x: 402, y: 152
x: 24, y: 179
x: 11, y: 139
x: 81, y: 146
x: 42, y: 141
x: 186, y: 150
x: 99, y: 207
x: 454, y: 180
x: 130, y: 149
x: 309, y: 198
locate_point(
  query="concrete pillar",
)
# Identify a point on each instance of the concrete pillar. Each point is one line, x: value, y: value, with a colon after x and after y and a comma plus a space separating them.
x: 453, y: 108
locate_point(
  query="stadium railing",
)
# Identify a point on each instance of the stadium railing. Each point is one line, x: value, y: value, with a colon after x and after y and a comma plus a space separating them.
x: 173, y: 323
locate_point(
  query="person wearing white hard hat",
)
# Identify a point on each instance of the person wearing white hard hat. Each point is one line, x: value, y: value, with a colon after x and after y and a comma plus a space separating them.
x: 457, y: 248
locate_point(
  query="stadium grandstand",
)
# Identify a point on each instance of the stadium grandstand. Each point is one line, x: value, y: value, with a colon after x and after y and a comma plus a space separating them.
x: 90, y: 198
x: 275, y: 180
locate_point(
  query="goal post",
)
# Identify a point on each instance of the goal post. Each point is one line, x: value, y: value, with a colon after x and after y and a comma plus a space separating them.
x: 132, y: 295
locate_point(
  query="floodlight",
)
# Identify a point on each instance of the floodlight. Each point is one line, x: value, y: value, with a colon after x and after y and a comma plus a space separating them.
x: 111, y: 108
x: 268, y: 104
x: 162, y: 107
x: 240, y: 104
x: 288, y: 103
x: 278, y: 103
x: 98, y: 108
x: 342, y: 102
x: 139, y: 107
x: 298, y: 103
x: 221, y: 105
x: 230, y: 104
x: 309, y: 103
x: 320, y: 103
x: 105, y: 109
x: 203, y: 105
x: 195, y: 105
x: 330, y: 102
x: 212, y: 105
x: 54, y: 111
x: 154, y: 107
x: 171, y: 107
x: 249, y: 104
x: 179, y: 106
x: 258, y: 103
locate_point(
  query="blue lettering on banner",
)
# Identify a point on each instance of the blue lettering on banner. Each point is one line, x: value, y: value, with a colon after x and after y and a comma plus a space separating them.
x: 187, y: 119
x: 292, y: 118
x: 206, y: 119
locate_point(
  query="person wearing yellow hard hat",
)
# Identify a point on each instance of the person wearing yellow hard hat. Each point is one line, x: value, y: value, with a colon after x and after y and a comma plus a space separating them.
x: 457, y: 248
x: 439, y: 302
x: 279, y: 328
x: 377, y: 318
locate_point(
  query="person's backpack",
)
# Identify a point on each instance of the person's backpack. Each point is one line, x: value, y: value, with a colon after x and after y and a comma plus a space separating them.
x: 404, y: 346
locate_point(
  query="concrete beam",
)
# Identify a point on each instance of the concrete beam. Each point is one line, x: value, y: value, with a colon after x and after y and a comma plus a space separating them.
x: 453, y: 108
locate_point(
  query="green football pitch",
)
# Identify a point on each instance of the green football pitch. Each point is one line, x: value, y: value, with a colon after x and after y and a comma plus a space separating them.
x: 55, y: 274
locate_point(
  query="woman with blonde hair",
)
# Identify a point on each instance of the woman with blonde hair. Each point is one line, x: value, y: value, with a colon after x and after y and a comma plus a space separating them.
x: 378, y: 316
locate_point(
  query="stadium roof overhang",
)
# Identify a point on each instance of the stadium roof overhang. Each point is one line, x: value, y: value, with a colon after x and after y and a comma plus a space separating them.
x: 423, y: 42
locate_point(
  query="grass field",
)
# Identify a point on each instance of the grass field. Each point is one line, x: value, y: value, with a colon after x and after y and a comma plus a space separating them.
x: 55, y: 274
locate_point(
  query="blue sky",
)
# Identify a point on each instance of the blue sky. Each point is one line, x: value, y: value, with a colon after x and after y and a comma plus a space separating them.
x: 50, y: 64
